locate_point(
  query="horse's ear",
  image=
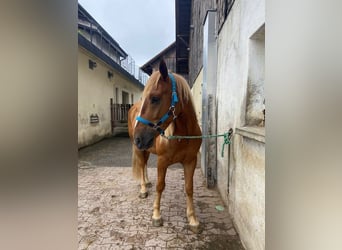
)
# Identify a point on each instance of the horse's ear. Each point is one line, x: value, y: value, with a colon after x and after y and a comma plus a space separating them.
x: 163, y: 69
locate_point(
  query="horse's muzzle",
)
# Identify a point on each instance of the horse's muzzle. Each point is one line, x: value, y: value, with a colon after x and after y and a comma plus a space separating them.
x: 145, y: 139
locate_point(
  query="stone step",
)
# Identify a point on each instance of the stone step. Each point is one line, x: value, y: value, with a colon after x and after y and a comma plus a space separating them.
x: 121, y: 124
x: 120, y: 130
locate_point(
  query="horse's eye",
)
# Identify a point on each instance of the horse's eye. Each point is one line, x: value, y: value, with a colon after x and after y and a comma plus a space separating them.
x: 155, y: 100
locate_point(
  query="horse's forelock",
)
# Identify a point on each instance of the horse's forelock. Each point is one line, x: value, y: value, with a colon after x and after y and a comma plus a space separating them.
x: 183, y: 89
x: 151, y: 83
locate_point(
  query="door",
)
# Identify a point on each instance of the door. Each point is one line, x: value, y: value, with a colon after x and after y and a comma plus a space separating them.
x: 125, y: 97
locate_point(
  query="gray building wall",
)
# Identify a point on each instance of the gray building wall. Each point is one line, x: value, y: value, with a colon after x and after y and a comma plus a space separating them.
x: 170, y: 60
x: 199, y: 11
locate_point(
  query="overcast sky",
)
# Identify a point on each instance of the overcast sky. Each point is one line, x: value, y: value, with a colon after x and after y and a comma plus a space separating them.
x: 143, y: 28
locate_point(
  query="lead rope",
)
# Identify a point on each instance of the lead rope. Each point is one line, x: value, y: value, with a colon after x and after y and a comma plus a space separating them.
x: 226, y: 138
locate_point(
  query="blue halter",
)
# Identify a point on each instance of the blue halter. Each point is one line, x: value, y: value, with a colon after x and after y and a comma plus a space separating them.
x: 174, y: 100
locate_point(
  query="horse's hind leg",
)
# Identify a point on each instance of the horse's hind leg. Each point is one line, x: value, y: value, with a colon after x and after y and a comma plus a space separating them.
x: 189, y: 169
x: 139, y: 162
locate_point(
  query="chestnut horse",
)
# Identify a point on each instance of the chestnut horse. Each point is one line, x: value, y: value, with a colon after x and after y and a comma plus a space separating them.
x: 166, y: 108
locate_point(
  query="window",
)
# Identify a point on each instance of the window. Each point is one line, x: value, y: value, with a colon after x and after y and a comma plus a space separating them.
x: 92, y: 64
x: 109, y: 75
x: 116, y: 95
x: 223, y: 9
x: 125, y: 97
x: 255, y: 106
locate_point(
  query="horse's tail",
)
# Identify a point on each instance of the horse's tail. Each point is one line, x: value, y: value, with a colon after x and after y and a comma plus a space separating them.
x: 135, y: 164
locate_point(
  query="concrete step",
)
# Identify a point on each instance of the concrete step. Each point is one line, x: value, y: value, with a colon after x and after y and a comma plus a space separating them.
x: 120, y: 124
x: 120, y: 131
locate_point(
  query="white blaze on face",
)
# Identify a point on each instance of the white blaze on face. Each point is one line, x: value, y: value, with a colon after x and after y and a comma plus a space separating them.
x: 142, y: 105
x: 136, y: 121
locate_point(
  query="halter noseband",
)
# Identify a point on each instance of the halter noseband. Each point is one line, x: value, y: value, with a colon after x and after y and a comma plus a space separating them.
x: 174, y: 100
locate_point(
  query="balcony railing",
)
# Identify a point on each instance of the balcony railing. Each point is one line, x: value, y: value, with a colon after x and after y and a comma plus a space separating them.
x: 128, y: 64
x: 107, y: 48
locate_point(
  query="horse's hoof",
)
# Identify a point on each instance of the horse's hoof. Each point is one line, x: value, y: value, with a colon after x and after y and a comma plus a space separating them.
x: 148, y: 184
x: 143, y: 195
x: 195, y: 229
x: 157, y: 222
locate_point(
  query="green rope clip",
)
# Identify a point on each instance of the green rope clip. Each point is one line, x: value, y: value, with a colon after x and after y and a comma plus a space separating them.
x: 226, y: 138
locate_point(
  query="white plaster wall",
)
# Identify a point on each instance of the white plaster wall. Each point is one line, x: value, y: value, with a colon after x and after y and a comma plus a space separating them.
x: 246, y: 198
x: 247, y: 202
x: 197, y: 96
x: 94, y: 92
x: 196, y: 91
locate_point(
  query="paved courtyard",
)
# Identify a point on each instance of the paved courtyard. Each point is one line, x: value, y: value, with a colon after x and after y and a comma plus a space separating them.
x: 111, y: 216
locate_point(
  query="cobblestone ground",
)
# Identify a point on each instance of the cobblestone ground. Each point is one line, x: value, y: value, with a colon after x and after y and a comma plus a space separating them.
x: 111, y: 216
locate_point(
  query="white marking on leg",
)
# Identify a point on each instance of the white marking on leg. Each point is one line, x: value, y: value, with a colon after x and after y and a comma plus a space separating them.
x: 156, y: 207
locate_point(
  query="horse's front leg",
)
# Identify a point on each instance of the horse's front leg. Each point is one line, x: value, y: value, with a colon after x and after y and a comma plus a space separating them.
x: 144, y: 182
x: 143, y: 187
x: 147, y: 181
x: 189, y: 169
x: 156, y: 217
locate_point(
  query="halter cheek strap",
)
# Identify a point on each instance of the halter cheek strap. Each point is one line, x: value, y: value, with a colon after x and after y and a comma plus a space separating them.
x: 174, y: 98
x: 171, y: 111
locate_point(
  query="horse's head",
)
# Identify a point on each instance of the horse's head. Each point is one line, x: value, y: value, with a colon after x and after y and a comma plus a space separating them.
x: 156, y: 111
